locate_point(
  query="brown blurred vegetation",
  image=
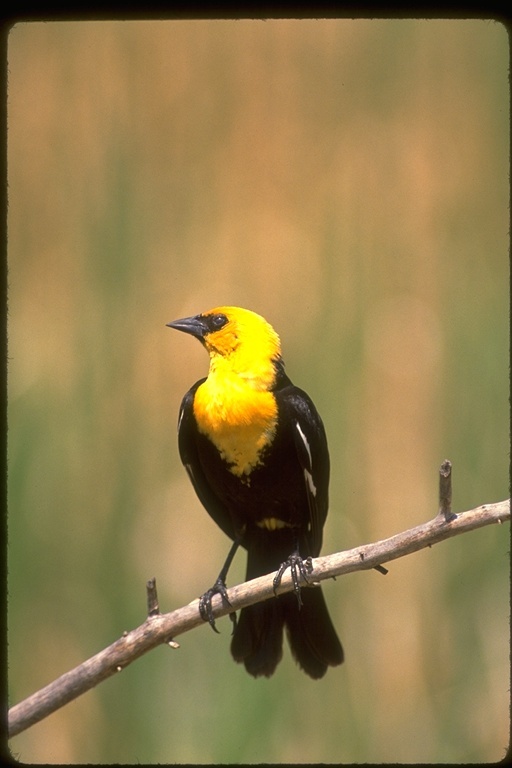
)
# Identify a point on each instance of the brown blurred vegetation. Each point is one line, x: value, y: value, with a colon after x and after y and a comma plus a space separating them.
x: 348, y: 179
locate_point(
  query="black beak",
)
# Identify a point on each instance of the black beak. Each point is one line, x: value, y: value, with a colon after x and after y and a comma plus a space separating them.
x: 196, y: 326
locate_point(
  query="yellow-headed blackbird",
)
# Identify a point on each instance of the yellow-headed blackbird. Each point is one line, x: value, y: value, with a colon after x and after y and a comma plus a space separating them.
x: 255, y: 449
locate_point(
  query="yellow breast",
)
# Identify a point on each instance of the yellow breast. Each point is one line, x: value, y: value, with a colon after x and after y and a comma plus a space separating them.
x: 238, y: 419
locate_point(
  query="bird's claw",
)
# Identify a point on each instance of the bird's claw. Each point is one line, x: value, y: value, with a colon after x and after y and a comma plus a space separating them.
x: 299, y: 569
x: 205, y: 604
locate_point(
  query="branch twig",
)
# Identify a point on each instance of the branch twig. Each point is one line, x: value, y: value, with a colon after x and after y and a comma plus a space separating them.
x: 162, y: 628
x: 445, y: 491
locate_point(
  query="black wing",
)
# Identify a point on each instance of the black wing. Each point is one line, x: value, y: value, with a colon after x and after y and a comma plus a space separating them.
x: 187, y: 444
x: 300, y: 415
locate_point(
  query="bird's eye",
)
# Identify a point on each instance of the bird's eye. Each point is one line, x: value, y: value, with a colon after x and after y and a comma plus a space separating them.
x: 217, y: 322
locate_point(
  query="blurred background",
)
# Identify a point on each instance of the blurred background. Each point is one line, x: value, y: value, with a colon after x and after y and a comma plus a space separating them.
x: 349, y: 180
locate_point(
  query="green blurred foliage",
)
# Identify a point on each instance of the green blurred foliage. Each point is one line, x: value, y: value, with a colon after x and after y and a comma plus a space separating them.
x: 348, y: 179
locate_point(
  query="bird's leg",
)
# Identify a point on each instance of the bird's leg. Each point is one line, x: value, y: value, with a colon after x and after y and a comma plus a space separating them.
x: 299, y: 568
x: 219, y: 588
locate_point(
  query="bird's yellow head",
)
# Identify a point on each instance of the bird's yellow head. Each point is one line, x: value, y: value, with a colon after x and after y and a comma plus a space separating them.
x: 239, y: 342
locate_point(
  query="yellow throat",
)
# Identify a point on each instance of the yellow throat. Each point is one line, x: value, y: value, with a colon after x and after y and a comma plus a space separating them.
x: 234, y: 407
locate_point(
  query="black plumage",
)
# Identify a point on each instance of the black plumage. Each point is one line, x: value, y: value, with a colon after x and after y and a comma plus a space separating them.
x: 274, y: 506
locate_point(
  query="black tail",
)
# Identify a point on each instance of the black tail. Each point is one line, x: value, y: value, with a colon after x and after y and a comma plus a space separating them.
x: 258, y: 637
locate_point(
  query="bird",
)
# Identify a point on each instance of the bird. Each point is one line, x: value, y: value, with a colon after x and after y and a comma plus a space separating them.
x: 255, y: 449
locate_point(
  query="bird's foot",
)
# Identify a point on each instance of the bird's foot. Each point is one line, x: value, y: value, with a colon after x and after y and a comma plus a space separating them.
x: 205, y: 604
x: 299, y: 569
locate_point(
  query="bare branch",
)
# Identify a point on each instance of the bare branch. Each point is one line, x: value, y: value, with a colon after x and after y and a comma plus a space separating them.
x: 152, y: 597
x: 445, y: 490
x: 162, y: 628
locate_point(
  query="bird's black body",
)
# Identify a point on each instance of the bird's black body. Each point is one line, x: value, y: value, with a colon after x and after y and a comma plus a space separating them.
x: 274, y: 509
x: 275, y: 489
